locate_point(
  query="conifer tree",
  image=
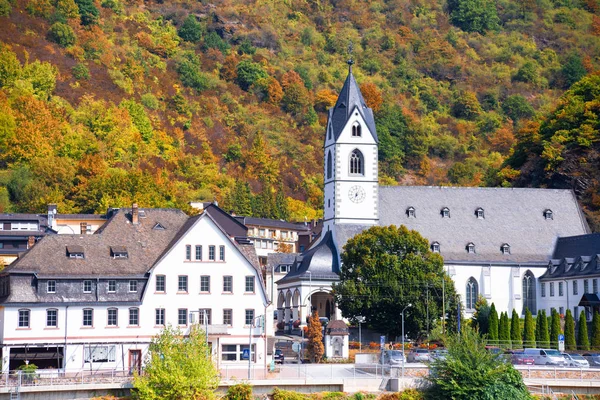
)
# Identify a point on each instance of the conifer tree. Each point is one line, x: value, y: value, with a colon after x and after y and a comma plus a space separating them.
x: 281, y: 208
x: 583, y: 342
x: 241, y: 199
x: 538, y: 328
x: 554, y: 329
x: 529, y: 330
x: 545, y: 333
x: 570, y: 332
x: 493, y: 326
x: 315, y: 339
x: 481, y: 318
x: 515, y: 330
x: 596, y: 332
x: 504, y: 330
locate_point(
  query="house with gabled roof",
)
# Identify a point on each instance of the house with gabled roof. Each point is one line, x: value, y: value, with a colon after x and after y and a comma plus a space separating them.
x: 95, y: 301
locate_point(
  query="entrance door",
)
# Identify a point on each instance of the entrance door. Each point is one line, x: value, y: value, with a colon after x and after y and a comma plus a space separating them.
x: 135, y: 361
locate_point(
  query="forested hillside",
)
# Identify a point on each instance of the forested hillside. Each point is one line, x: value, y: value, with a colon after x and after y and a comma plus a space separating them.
x: 107, y: 102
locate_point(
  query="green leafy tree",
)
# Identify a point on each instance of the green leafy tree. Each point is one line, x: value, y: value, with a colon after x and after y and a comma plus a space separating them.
x: 10, y: 67
x: 583, y: 341
x: 188, y: 68
x: 315, y: 346
x: 544, y: 334
x: 572, y: 70
x: 516, y: 107
x: 139, y: 118
x: 5, y: 8
x: 504, y: 330
x: 570, y: 343
x: 466, y: 106
x: 62, y: 34
x: 177, y: 367
x: 469, y: 371
x: 554, y: 329
x: 474, y: 15
x: 481, y: 317
x: 190, y: 30
x: 515, y: 330
x: 385, y: 270
x: 595, y: 332
x: 529, y: 331
x: 88, y: 13
x: 249, y: 72
x: 494, y: 325
x: 213, y: 41
x: 528, y: 73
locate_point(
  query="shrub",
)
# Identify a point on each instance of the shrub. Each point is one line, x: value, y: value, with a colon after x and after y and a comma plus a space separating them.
x: 80, y: 71
x: 214, y: 41
x: 190, y: 30
x: 113, y: 5
x: 241, y: 391
x: 39, y: 8
x: 188, y: 68
x: 5, y: 8
x: 246, y: 47
x: 150, y: 101
x: 516, y: 107
x: 411, y: 394
x: 279, y: 394
x: 62, y: 34
x: 373, y: 345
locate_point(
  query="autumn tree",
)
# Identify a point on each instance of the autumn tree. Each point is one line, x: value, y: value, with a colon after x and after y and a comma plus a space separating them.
x: 249, y: 72
x: 372, y: 96
x: 385, y: 270
x: 315, y: 346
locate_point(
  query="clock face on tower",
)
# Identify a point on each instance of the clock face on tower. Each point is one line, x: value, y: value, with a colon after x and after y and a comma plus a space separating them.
x: 357, y: 194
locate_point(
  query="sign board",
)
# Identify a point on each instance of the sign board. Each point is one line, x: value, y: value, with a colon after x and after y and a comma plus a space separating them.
x: 272, y: 366
x: 296, y: 347
x: 561, y: 342
x: 381, y: 342
x: 245, y: 354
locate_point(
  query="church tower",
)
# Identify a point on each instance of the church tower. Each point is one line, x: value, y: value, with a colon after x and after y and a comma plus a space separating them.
x: 350, y: 151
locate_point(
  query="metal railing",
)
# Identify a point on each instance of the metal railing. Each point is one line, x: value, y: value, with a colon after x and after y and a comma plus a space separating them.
x: 55, y: 377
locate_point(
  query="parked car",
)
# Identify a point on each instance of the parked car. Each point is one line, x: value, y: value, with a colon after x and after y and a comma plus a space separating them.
x: 439, y: 354
x: 593, y: 359
x: 521, y: 358
x: 576, y: 360
x: 278, y: 357
x: 546, y: 356
x: 418, y: 355
x: 392, y: 357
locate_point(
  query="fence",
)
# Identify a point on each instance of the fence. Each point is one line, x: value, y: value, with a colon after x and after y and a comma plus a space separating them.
x: 59, y: 377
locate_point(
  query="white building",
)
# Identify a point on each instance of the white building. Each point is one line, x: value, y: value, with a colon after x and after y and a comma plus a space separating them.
x: 96, y: 301
x: 496, y: 242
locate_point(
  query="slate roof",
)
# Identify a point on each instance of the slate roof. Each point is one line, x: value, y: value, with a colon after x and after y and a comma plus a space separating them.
x: 511, y: 215
x: 48, y: 257
x: 349, y: 99
x: 322, y: 260
x: 271, y: 223
x: 80, y: 216
x: 275, y: 260
x: 574, y: 246
x: 24, y: 217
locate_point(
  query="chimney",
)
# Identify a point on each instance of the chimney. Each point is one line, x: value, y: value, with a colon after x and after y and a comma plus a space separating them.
x: 30, y: 241
x: 52, y: 210
x: 135, y: 215
x: 83, y: 228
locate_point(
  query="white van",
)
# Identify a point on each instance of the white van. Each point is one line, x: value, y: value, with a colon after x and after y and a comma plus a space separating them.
x: 546, y: 356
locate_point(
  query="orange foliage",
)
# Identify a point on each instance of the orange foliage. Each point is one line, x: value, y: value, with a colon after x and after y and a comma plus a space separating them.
x: 502, y: 140
x: 326, y: 98
x: 228, y: 70
x: 596, y: 25
x: 289, y: 78
x: 274, y: 92
x: 372, y: 96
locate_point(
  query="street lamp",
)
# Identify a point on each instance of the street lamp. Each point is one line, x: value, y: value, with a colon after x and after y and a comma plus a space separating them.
x: 403, y: 357
x: 250, y: 343
x: 360, y: 320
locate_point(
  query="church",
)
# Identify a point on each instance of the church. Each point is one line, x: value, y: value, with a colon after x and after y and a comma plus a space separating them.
x: 496, y: 242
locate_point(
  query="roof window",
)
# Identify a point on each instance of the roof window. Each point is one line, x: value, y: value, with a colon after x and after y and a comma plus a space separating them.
x: 118, y: 252
x: 479, y: 213
x: 445, y: 212
x: 548, y: 214
x: 75, y: 251
x: 142, y: 214
x: 505, y: 248
x: 158, y: 227
x: 435, y: 247
x: 471, y: 248
x: 410, y: 212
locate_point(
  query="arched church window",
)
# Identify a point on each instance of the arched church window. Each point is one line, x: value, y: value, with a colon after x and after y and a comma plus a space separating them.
x: 529, y: 293
x: 356, y: 163
x: 329, y: 166
x: 356, y: 130
x: 472, y: 293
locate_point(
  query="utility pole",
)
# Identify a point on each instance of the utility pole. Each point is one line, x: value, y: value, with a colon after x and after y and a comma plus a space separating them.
x: 444, y: 304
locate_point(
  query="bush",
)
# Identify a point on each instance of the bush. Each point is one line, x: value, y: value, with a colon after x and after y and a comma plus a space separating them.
x: 411, y: 394
x: 188, y: 68
x: 190, y: 30
x: 241, y: 391
x: 80, y: 71
x: 113, y: 5
x: 5, y: 8
x: 150, y: 101
x: 279, y: 394
x: 39, y: 8
x: 214, y: 41
x: 62, y: 34
x: 516, y: 107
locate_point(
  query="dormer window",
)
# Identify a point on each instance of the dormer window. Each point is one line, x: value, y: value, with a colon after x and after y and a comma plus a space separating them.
x: 410, y: 212
x: 118, y: 252
x: 356, y: 130
x: 471, y: 248
x: 479, y: 213
x: 435, y: 247
x: 505, y: 248
x: 445, y: 212
x: 75, y: 251
x: 158, y: 227
x: 548, y: 214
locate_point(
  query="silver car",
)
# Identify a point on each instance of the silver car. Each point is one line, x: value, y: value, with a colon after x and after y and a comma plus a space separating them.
x: 392, y: 357
x: 575, y: 360
x: 418, y: 355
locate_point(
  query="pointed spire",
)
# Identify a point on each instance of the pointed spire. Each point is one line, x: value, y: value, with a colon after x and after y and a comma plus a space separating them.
x: 350, y: 60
